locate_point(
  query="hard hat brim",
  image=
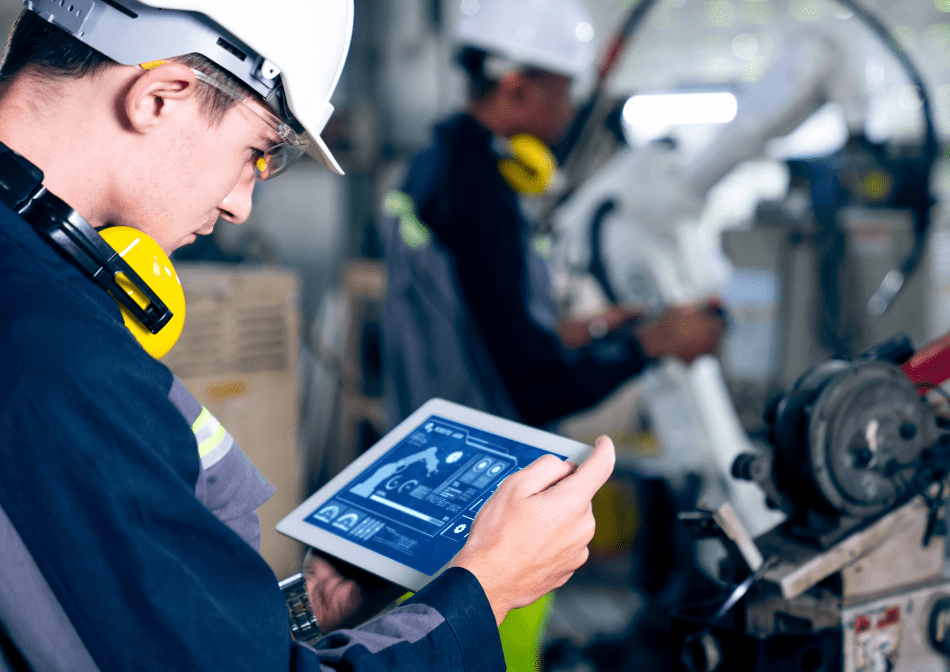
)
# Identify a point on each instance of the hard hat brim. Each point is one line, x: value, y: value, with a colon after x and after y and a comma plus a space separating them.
x: 318, y: 149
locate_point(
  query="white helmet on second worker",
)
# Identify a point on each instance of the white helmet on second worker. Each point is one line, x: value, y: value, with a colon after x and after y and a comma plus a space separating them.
x: 552, y: 35
x: 291, y: 52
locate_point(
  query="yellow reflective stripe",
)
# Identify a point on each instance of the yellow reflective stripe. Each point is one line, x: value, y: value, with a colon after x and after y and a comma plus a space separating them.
x: 399, y: 205
x: 211, y: 442
x: 542, y: 245
x: 201, y: 420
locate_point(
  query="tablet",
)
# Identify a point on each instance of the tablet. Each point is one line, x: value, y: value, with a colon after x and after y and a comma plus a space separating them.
x: 403, y: 509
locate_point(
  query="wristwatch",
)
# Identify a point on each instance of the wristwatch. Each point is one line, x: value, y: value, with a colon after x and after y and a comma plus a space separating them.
x: 303, y: 624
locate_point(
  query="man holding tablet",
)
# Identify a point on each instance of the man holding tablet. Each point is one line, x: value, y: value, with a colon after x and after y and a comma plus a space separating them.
x: 159, y: 115
x: 452, y: 482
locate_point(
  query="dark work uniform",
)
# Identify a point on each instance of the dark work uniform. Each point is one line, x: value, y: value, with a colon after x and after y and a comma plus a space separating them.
x: 469, y: 314
x: 127, y: 518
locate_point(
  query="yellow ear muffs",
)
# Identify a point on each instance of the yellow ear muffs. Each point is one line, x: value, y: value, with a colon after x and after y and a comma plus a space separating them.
x: 146, y: 258
x: 529, y: 167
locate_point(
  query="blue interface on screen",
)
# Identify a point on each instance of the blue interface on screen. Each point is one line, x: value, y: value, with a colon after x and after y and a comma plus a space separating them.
x: 416, y: 503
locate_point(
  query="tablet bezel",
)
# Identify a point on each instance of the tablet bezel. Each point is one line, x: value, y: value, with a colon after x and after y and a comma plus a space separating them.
x: 294, y: 525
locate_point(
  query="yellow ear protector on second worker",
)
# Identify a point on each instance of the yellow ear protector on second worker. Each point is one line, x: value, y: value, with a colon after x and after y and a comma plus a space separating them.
x: 117, y: 260
x: 527, y: 164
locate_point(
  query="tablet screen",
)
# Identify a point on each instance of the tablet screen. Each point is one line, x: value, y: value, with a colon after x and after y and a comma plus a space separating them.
x: 415, y: 504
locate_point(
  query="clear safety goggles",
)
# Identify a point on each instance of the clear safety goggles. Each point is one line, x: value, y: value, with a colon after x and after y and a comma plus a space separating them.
x: 280, y: 156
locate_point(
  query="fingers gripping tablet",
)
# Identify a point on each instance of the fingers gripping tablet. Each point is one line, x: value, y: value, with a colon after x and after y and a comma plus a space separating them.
x: 404, y: 508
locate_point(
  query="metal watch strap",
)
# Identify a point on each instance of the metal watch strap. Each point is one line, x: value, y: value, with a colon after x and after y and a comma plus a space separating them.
x: 303, y: 624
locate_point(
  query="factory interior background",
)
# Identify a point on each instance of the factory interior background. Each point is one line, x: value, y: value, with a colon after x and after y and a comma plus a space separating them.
x: 282, y: 335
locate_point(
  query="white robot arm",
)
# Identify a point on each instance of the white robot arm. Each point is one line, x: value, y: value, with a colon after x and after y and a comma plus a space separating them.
x: 658, y: 198
x: 645, y: 205
x: 795, y: 86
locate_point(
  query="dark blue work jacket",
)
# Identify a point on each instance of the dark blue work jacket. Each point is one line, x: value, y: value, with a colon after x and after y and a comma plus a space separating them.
x: 469, y: 314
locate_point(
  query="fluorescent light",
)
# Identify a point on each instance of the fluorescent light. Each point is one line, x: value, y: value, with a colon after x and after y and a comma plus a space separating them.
x: 667, y: 109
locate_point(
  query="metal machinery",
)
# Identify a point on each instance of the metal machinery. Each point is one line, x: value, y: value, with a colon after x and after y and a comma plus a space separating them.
x: 633, y: 225
x: 858, y: 458
x: 628, y: 232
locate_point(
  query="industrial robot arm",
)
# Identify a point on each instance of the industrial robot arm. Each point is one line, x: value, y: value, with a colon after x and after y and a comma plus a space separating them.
x: 635, y: 226
x: 796, y: 85
x: 650, y: 192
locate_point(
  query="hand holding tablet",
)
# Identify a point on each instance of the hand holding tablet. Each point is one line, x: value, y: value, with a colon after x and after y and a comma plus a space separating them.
x: 343, y: 595
x: 408, y: 506
x: 532, y: 534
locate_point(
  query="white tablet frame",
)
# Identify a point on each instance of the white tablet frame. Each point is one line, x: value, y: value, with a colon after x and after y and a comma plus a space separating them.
x: 294, y: 524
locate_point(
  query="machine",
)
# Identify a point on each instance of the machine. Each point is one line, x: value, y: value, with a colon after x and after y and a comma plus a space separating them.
x: 633, y: 227
x: 840, y: 566
x: 629, y: 233
x: 854, y: 579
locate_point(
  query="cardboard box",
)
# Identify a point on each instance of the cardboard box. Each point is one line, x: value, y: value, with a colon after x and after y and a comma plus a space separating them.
x: 238, y: 355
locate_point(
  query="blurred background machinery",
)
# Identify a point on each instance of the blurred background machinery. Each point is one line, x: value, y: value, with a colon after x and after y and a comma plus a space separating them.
x: 631, y: 230
x: 855, y: 578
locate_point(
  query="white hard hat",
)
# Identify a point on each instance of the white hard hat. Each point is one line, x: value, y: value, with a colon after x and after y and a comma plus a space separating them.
x: 291, y: 52
x: 552, y: 35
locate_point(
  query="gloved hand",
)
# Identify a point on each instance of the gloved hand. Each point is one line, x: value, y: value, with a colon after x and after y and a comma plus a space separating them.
x: 685, y: 332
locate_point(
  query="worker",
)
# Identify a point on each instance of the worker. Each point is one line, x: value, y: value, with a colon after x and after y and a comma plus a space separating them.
x: 469, y: 314
x: 123, y: 545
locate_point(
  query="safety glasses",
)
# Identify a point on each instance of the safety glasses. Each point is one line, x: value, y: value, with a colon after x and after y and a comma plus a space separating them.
x: 280, y: 156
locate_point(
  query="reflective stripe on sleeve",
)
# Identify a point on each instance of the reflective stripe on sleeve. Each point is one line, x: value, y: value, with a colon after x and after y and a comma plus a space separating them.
x: 213, y: 439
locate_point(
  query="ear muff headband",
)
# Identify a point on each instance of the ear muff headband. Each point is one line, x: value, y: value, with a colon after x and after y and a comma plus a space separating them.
x: 21, y: 188
x: 528, y: 165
